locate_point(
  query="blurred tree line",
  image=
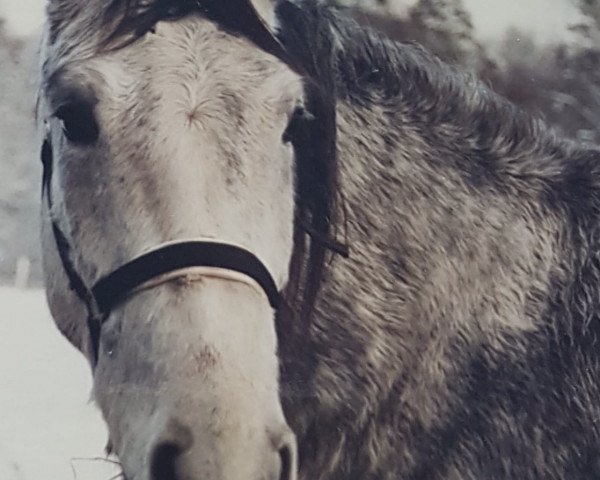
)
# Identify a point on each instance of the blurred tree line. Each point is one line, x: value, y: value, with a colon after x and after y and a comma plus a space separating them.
x: 560, y: 83
x: 20, y: 169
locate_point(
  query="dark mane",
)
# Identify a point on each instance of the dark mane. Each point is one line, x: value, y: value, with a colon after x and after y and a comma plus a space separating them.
x: 489, y: 140
x: 371, y: 69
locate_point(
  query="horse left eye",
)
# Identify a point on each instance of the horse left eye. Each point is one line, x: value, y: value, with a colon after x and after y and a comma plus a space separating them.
x: 297, y: 123
x: 78, y: 122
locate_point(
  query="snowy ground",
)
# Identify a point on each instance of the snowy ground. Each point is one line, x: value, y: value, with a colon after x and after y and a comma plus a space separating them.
x: 46, y: 420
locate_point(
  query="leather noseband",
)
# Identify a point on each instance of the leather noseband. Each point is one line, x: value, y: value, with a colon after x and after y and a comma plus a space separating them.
x: 112, y: 289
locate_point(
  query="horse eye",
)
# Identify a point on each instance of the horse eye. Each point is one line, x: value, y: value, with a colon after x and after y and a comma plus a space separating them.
x: 297, y: 123
x: 78, y: 122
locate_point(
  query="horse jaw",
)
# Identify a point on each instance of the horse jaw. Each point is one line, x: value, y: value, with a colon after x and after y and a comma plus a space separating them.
x: 266, y: 11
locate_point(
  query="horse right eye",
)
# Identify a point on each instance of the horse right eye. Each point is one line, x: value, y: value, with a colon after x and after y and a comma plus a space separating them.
x: 78, y: 122
x: 298, y: 121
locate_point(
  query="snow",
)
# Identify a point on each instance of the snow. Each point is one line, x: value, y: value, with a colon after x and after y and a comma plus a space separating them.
x: 47, y: 421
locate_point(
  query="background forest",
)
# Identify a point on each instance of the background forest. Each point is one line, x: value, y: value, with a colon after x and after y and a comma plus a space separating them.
x: 557, y: 80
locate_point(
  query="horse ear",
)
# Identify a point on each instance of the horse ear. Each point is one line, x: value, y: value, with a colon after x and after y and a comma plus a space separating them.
x: 266, y: 11
x: 256, y: 20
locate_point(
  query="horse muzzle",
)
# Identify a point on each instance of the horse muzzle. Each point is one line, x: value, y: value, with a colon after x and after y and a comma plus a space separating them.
x: 179, y: 453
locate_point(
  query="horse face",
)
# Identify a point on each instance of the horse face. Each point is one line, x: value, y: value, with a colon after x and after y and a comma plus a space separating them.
x: 178, y: 135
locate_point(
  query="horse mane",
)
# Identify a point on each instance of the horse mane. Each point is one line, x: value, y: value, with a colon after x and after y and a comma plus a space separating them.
x: 370, y: 68
x: 491, y: 142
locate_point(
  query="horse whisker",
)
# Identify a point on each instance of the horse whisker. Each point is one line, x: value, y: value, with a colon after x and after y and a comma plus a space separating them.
x: 95, y: 459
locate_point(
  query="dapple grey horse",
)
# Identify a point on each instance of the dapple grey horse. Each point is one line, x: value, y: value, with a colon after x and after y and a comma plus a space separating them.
x: 291, y: 248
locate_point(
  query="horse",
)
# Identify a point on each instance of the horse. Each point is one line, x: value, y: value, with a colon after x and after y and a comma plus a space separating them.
x: 291, y: 248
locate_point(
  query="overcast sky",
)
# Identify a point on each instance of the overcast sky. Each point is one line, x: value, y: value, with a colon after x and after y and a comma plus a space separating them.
x: 544, y: 19
x: 23, y: 16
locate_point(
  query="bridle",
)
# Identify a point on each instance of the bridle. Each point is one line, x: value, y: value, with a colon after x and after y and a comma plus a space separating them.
x: 173, y: 259
x: 159, y: 265
x: 176, y: 259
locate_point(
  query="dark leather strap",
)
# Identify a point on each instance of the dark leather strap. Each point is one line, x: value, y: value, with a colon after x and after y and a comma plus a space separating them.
x: 114, y: 287
x: 94, y: 318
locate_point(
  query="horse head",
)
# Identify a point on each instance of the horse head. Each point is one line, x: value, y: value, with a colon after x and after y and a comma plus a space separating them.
x: 171, y: 125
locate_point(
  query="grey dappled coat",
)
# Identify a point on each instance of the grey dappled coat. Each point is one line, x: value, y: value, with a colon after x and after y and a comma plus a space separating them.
x: 460, y: 340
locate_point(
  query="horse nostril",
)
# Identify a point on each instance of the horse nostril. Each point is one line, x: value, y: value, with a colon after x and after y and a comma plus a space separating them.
x: 164, y: 461
x: 175, y: 440
x: 284, y: 443
x: 286, y: 458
